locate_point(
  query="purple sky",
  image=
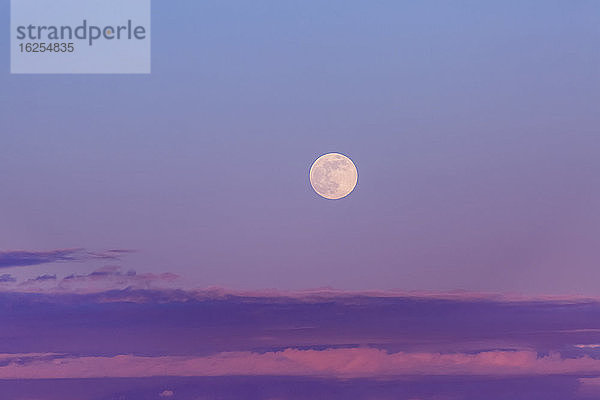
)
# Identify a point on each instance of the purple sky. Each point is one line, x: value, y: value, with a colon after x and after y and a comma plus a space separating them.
x: 473, y: 126
x: 159, y: 238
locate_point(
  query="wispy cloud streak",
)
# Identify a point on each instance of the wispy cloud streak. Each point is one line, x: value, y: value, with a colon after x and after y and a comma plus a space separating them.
x: 21, y: 258
x: 7, y: 278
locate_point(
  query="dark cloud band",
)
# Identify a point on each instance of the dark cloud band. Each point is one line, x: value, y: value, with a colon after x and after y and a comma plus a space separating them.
x: 22, y: 258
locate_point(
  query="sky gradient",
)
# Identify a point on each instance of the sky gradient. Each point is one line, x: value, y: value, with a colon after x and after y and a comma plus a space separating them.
x: 160, y: 239
x: 473, y: 126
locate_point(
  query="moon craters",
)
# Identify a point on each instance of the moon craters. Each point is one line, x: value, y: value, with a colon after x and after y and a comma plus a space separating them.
x: 333, y: 176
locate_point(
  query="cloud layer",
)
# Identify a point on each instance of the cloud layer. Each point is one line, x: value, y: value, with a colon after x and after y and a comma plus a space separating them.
x: 105, y: 279
x: 21, y: 258
x: 117, y: 324
x: 332, y: 363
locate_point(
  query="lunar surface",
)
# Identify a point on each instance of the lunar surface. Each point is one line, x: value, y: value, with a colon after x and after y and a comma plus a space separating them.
x: 333, y: 176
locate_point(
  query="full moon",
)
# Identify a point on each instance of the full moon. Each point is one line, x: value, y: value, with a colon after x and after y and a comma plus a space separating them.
x: 333, y: 176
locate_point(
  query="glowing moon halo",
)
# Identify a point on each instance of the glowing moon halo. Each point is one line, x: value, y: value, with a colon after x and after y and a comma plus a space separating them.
x: 333, y: 176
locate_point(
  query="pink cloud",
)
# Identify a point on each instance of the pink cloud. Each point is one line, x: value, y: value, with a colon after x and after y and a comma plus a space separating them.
x: 339, y: 363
